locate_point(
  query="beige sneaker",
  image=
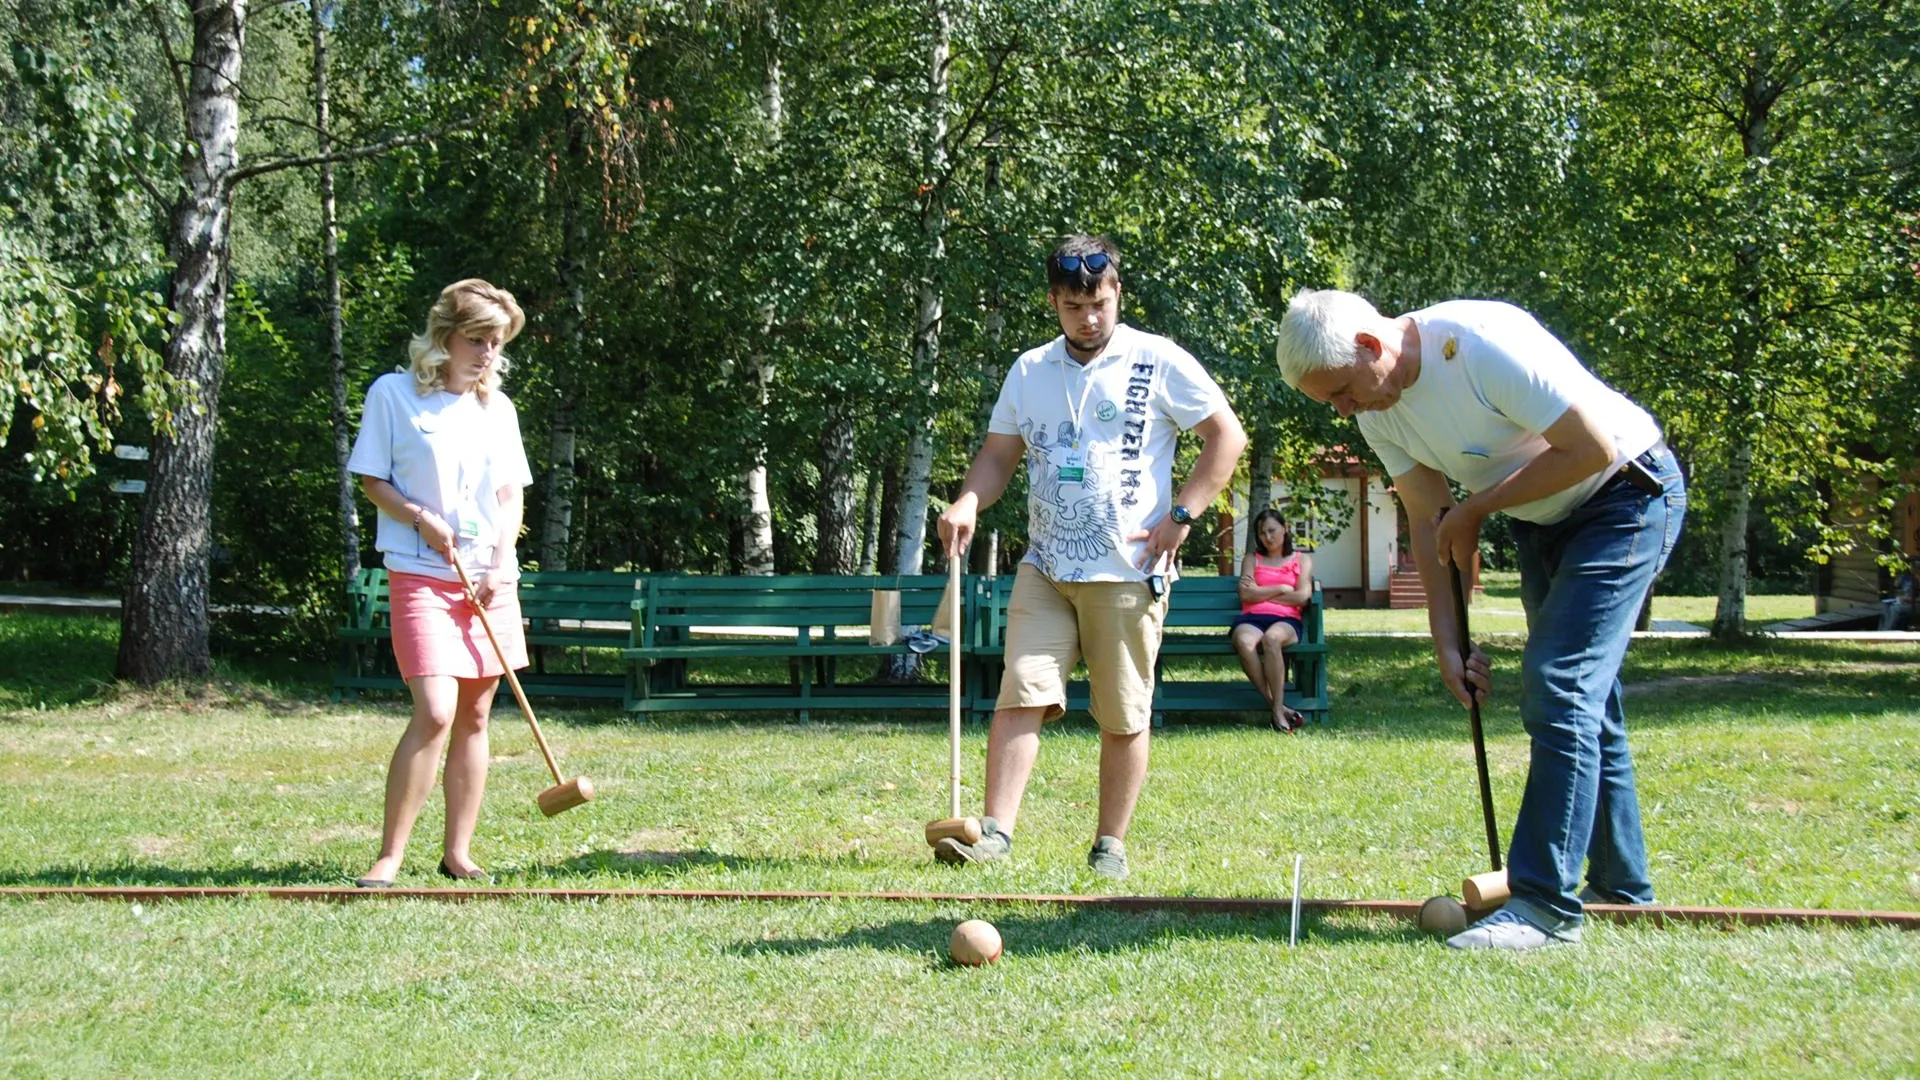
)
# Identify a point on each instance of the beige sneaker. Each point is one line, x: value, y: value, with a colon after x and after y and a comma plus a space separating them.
x: 992, y: 846
x: 1109, y: 858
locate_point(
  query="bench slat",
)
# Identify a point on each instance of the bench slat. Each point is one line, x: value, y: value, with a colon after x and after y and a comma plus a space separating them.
x: 654, y: 623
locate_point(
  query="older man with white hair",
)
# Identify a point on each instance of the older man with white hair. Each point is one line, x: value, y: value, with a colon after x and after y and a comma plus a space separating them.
x: 1478, y: 392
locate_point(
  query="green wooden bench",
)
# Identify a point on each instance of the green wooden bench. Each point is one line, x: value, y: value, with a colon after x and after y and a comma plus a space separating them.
x: 700, y: 638
x: 366, y: 656
x: 1197, y: 619
x: 578, y: 610
x: 1198, y: 614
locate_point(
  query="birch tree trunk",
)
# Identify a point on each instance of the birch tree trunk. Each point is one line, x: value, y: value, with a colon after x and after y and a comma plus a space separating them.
x: 163, y: 629
x: 870, y: 524
x: 929, y: 307
x: 349, y: 488
x: 911, y: 538
x: 756, y: 521
x: 1730, y: 612
x: 1756, y: 144
x: 556, y: 525
x: 1259, y: 472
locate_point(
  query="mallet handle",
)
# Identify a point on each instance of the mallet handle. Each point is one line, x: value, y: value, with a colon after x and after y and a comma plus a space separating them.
x: 1473, y: 713
x: 953, y: 683
x: 519, y: 695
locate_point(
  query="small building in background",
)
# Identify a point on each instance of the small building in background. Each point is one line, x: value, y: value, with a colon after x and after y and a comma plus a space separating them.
x: 1856, y: 580
x: 1367, y: 563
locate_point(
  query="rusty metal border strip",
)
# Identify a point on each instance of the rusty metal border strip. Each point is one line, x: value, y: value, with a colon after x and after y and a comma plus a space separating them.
x: 1658, y: 914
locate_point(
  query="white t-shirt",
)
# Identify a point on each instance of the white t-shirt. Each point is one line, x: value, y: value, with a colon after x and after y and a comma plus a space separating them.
x: 1491, y: 380
x: 447, y: 453
x: 1125, y: 409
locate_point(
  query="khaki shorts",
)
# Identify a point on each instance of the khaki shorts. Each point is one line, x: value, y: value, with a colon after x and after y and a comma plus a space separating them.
x: 1051, y: 625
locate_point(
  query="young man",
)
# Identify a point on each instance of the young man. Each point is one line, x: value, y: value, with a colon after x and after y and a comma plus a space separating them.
x: 1096, y: 413
x: 1480, y: 393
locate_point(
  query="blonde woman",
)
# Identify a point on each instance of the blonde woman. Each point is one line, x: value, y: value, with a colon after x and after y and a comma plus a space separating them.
x: 439, y: 453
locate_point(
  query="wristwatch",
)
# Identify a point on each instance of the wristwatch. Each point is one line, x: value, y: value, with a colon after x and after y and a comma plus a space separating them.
x: 1180, y: 516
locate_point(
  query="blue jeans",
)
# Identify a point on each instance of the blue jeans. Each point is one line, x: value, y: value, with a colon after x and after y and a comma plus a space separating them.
x: 1583, y: 580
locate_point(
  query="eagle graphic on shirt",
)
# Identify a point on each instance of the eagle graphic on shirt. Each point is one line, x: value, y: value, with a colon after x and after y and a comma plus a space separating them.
x: 1070, y: 525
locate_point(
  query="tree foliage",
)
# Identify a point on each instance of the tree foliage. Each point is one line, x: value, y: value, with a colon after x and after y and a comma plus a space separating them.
x: 1713, y: 203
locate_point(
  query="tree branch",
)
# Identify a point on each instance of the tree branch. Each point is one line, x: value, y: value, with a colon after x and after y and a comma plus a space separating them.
x: 354, y: 154
x: 173, y: 62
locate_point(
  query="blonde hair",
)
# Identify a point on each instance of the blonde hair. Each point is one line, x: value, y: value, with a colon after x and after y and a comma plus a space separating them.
x: 464, y: 307
x: 1318, y: 332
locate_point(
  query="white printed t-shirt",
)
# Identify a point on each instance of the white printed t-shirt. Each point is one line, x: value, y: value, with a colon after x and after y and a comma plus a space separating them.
x: 1131, y: 403
x: 1491, y: 380
x: 445, y: 452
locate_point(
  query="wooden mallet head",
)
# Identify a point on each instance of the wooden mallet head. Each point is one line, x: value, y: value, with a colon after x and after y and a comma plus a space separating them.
x: 563, y: 797
x: 964, y: 829
x: 1483, y: 892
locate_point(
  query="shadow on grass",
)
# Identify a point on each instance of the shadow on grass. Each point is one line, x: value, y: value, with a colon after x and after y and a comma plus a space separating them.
x: 52, y: 661
x: 1082, y: 931
x: 645, y: 865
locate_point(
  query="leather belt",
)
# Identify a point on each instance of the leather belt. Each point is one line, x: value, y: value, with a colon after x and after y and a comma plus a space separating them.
x: 1639, y: 472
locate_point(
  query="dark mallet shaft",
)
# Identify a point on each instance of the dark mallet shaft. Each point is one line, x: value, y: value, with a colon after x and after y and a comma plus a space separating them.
x: 1473, y: 713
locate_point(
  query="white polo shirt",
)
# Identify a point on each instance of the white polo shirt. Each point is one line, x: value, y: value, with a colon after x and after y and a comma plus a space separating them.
x: 1491, y: 380
x: 445, y: 452
x: 1100, y: 442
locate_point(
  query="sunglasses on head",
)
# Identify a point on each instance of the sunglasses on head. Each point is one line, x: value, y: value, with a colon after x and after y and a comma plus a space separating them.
x: 1095, y: 263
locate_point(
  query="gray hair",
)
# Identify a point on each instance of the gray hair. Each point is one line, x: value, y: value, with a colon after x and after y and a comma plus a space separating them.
x: 1318, y: 331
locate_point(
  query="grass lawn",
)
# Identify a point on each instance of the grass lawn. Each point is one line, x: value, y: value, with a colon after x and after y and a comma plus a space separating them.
x: 1786, y: 774
x: 1498, y: 610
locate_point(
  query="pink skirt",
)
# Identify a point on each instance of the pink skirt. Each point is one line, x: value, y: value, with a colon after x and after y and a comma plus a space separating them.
x: 435, y: 631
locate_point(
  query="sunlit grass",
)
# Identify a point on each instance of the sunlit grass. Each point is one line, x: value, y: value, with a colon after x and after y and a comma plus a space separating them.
x: 1777, y: 775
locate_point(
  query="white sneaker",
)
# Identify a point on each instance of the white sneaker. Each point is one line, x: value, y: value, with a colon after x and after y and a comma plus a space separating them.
x: 1506, y: 930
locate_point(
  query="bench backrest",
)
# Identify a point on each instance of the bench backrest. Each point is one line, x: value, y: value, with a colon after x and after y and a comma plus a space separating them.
x: 549, y: 594
x: 591, y: 595
x: 1214, y: 601
x: 675, y: 603
x: 367, y: 598
x: 1198, y: 601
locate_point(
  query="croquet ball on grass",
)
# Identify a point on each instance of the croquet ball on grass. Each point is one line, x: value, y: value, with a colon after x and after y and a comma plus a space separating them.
x: 974, y: 942
x: 1442, y: 915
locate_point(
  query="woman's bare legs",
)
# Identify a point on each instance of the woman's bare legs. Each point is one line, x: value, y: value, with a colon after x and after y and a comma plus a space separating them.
x: 410, y: 773
x: 1273, y: 655
x: 1246, y: 642
x: 466, y: 776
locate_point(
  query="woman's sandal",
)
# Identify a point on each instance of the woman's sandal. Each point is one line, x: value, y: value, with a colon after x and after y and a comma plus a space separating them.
x: 1290, y: 721
x: 477, y: 875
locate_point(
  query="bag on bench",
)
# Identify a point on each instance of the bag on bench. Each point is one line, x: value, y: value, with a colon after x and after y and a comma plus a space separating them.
x: 883, y: 625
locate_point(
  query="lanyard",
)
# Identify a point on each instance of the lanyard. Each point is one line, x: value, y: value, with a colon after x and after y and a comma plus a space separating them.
x: 1073, y: 410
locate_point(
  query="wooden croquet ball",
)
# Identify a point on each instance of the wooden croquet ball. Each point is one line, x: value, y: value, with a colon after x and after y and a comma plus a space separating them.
x: 975, y: 942
x: 1442, y: 915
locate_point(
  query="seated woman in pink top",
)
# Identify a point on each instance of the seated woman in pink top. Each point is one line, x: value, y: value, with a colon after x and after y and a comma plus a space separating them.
x: 1275, y: 582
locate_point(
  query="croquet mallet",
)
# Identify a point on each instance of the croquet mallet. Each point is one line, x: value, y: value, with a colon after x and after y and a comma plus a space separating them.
x: 1481, y: 891
x: 964, y: 829
x: 564, y: 794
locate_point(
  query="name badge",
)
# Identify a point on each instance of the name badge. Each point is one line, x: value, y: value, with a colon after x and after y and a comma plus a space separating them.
x: 469, y: 529
x: 1073, y: 468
